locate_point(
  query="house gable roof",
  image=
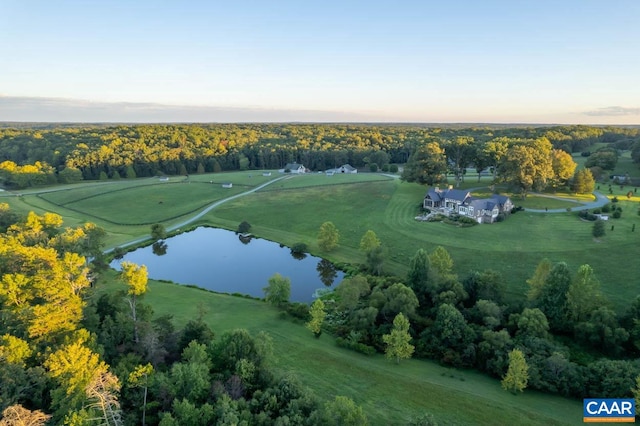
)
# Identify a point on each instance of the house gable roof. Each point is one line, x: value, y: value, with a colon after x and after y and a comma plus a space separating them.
x: 293, y: 166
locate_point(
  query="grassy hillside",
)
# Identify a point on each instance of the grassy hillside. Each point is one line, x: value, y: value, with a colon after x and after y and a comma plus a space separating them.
x: 390, y: 393
x: 292, y: 210
x: 513, y: 247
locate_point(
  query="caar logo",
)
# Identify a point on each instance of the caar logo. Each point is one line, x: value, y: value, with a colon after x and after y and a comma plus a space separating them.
x: 610, y: 410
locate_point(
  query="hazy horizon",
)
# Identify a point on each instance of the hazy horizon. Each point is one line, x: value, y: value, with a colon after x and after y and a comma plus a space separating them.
x: 498, y: 61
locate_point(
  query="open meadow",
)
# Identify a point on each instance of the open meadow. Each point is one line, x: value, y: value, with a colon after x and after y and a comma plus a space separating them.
x: 291, y: 210
x: 389, y: 393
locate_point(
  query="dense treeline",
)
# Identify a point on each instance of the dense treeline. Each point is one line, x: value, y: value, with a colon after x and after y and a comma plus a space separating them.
x: 127, y: 151
x: 571, y: 338
x: 70, y: 357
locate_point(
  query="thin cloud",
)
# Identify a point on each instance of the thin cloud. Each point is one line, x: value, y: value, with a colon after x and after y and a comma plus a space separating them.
x: 34, y: 109
x: 613, y: 111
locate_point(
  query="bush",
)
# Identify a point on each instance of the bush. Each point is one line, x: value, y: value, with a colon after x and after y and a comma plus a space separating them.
x: 614, y: 200
x: 373, y: 167
x: 393, y: 168
x: 356, y: 346
x: 597, y: 211
x: 299, y: 248
x: 516, y: 209
x: 469, y: 221
x: 244, y: 227
x: 617, y: 214
x: 606, y: 208
x: 385, y: 168
x: 500, y: 217
x: 298, y: 310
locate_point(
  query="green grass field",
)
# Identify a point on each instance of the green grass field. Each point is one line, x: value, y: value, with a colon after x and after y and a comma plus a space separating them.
x: 292, y: 210
x: 513, y: 247
x: 389, y: 393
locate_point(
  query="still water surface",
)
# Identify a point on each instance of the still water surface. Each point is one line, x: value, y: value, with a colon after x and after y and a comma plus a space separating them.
x: 217, y: 259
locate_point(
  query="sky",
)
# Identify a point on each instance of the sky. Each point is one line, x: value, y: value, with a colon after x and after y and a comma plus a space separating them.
x: 489, y: 61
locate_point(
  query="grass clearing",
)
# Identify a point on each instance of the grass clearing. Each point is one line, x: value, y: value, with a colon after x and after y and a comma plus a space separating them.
x: 389, y: 393
x: 388, y: 207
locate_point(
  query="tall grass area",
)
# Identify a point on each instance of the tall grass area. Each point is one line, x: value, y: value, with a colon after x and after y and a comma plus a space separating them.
x: 389, y: 393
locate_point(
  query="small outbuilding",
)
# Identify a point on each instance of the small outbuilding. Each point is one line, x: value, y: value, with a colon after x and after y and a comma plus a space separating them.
x: 294, y: 168
x: 227, y: 185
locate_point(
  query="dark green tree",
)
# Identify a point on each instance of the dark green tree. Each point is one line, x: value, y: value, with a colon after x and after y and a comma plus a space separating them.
x: 598, y: 229
x: 427, y: 165
x: 158, y: 232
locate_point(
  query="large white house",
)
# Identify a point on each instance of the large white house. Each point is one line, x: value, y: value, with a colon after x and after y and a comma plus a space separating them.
x: 482, y: 210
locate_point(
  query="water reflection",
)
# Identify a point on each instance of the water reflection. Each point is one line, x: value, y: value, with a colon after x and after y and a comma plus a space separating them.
x: 244, y: 239
x: 220, y: 260
x: 159, y: 248
x: 327, y: 272
x: 298, y: 255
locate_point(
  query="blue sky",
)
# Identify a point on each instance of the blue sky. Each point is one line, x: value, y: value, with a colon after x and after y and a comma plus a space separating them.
x: 569, y: 61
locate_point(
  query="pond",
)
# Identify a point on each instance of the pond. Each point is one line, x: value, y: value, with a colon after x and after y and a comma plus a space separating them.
x: 222, y: 261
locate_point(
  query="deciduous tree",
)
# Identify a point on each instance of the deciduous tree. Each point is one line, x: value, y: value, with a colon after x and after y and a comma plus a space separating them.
x: 369, y: 241
x: 317, y: 313
x: 527, y: 165
x: 517, y: 375
x: 135, y: 277
x: 427, y: 165
x: 328, y: 236
x: 278, y: 291
x: 583, y: 182
x: 397, y: 342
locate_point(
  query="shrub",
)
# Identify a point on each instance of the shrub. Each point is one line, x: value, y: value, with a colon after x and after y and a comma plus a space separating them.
x: 470, y: 221
x: 373, y: 167
x: 617, y: 214
x: 385, y: 168
x: 614, y: 200
x: 597, y: 211
x: 244, y: 227
x: 298, y: 310
x: 606, y: 208
x: 356, y: 346
x: 299, y: 248
x: 393, y: 168
x: 500, y: 217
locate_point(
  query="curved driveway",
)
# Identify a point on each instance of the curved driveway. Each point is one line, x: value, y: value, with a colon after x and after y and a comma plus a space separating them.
x: 600, y: 201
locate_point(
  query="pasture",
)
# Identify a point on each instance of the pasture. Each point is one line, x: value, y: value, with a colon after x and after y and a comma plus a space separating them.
x: 389, y: 393
x: 291, y: 210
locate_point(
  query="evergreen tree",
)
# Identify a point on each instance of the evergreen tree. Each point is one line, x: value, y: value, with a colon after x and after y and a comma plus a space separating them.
x: 598, y: 229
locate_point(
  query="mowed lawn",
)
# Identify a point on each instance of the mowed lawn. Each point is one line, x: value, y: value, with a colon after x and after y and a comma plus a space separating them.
x: 513, y: 247
x: 389, y: 393
x: 149, y: 204
x: 291, y: 211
